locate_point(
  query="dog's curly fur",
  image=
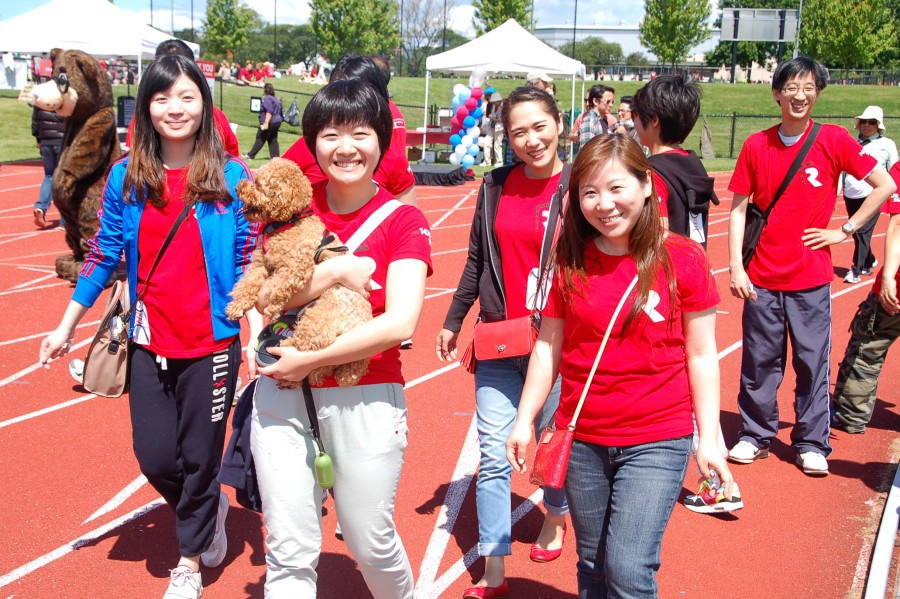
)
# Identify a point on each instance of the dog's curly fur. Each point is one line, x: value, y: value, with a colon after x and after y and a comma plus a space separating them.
x: 286, y: 264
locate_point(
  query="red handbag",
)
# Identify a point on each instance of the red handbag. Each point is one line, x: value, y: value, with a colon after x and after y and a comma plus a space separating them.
x: 505, y: 338
x: 554, y: 447
x: 468, y: 360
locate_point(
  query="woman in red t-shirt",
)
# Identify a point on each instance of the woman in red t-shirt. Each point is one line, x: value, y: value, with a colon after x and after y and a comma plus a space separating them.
x: 348, y: 127
x: 516, y: 205
x: 633, y: 433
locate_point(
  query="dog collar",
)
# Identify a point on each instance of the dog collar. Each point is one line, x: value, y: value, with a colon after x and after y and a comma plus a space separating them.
x: 277, y: 226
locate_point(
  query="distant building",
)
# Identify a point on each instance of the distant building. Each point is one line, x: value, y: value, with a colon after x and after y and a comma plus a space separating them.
x: 624, y: 35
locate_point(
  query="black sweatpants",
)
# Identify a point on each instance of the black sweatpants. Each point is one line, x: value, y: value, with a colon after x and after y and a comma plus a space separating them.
x: 179, y: 412
x: 862, y: 239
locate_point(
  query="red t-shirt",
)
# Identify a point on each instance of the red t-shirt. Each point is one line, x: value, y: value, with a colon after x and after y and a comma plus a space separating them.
x: 259, y: 75
x: 404, y: 234
x: 782, y: 262
x: 229, y: 141
x: 891, y: 206
x: 662, y: 192
x: 245, y: 74
x: 177, y: 302
x: 640, y: 392
x: 519, y: 227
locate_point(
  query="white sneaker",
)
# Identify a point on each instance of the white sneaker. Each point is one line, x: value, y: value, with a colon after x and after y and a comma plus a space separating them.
x: 746, y: 452
x: 852, y: 276
x: 184, y: 584
x: 215, y: 555
x: 812, y: 463
x: 868, y: 271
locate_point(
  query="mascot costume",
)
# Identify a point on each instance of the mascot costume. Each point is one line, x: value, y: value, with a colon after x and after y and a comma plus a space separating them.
x: 80, y: 90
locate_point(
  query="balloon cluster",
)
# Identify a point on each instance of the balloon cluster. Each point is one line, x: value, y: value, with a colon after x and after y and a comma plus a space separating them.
x: 467, y: 112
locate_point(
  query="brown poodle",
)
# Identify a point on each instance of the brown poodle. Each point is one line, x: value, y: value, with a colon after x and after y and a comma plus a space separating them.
x: 284, y: 260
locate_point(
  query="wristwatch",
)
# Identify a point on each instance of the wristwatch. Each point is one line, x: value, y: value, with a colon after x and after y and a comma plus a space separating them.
x: 848, y: 228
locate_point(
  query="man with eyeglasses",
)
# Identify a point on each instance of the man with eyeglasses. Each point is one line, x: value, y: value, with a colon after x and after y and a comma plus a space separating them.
x: 786, y: 286
x: 597, y: 120
x: 625, y: 123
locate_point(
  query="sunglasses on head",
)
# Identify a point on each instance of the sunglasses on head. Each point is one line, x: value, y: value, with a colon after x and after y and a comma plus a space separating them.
x: 868, y: 121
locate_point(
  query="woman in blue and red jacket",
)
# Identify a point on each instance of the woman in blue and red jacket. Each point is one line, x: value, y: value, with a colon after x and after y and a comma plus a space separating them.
x: 185, y: 353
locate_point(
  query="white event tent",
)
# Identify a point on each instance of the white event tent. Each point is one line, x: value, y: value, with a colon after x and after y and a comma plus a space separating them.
x: 508, y: 48
x: 97, y: 27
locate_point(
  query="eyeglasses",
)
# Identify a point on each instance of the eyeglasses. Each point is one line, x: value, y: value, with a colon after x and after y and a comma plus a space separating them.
x: 623, y: 110
x: 792, y: 90
x: 872, y: 122
x: 62, y: 80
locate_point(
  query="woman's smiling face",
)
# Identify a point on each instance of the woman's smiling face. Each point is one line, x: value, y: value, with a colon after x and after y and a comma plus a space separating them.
x: 347, y: 153
x: 534, y: 136
x: 612, y: 199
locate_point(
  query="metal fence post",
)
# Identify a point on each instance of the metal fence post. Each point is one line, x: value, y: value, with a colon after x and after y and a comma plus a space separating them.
x: 733, y: 127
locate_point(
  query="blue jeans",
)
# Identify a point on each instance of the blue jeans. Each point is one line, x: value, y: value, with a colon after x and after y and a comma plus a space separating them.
x: 50, y: 158
x: 621, y: 500
x: 498, y: 389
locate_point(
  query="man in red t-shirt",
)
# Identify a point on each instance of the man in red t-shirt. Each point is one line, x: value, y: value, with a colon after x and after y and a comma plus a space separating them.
x: 874, y: 329
x: 787, y: 285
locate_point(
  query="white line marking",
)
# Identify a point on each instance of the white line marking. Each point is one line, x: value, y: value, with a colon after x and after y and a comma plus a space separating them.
x: 77, y: 543
x: 19, y: 188
x: 54, y: 408
x: 17, y: 259
x: 439, y: 293
x: 465, y: 198
x: 449, y: 252
x: 14, y: 377
x: 451, y: 227
x: 20, y: 237
x: 852, y: 288
x: 118, y: 499
x: 32, y: 282
x: 862, y: 565
x: 44, y: 334
x: 56, y: 284
x: 431, y: 375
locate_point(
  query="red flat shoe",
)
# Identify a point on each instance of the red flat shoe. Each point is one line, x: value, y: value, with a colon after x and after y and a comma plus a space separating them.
x: 500, y: 592
x: 547, y: 555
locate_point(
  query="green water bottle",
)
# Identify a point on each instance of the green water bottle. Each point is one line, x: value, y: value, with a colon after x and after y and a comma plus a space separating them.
x: 324, y: 470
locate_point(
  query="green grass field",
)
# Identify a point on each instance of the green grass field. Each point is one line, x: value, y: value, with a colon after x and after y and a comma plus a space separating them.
x: 838, y: 104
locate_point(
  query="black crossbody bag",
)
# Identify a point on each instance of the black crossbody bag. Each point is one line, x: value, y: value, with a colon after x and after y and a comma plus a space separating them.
x: 756, y: 219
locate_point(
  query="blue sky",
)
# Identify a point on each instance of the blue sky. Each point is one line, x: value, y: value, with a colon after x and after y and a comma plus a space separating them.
x: 295, y: 12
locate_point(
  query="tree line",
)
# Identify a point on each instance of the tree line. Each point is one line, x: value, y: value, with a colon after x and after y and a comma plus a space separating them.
x: 839, y: 33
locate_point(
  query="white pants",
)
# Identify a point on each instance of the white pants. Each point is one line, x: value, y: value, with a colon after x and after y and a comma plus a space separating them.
x: 364, y: 431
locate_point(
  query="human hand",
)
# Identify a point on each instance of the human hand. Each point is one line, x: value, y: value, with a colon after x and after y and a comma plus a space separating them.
x: 709, y: 458
x: 888, y: 296
x: 740, y: 285
x: 54, y: 346
x: 445, y: 345
x: 264, y: 127
x: 354, y: 272
x: 293, y: 365
x: 816, y: 239
x: 252, y: 366
x: 517, y: 446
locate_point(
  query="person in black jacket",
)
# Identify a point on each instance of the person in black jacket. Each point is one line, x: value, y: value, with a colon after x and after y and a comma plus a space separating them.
x: 664, y: 112
x: 516, y: 207
x: 48, y: 128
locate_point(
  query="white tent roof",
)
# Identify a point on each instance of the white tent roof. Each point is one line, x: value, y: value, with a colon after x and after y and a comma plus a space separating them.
x: 93, y: 26
x: 507, y: 49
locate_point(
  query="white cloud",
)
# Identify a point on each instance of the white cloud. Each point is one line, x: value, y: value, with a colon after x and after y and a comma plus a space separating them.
x: 460, y: 20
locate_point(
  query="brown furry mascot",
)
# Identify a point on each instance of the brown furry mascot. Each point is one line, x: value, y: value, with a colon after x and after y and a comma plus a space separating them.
x: 81, y: 91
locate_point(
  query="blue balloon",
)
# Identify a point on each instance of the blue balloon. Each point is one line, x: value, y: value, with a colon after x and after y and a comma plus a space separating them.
x: 469, y: 122
x: 473, y: 150
x: 489, y: 91
x: 456, y: 103
x: 455, y: 140
x: 464, y: 94
x: 461, y: 133
x: 468, y: 161
x: 476, y: 114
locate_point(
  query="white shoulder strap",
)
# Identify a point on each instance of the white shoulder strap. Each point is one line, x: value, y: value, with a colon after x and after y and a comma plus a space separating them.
x: 375, y: 219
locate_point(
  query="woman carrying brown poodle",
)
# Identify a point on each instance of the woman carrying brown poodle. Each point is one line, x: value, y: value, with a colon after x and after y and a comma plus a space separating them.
x: 347, y: 126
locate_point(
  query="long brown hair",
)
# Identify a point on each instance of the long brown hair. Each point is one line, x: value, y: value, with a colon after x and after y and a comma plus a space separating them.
x: 646, y: 244
x: 145, y: 174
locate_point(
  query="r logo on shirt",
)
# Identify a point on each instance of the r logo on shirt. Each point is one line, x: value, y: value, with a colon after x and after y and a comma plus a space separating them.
x: 812, y: 176
x: 653, y: 300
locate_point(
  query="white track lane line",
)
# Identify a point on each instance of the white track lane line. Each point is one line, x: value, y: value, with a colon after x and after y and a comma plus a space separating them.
x: 19, y: 188
x: 20, y: 237
x: 16, y: 376
x: 449, y: 252
x: 32, y: 282
x: 44, y: 334
x: 53, y: 408
x: 118, y: 499
x: 14, y: 260
x: 464, y: 199
x: 35, y: 288
x: 84, y: 539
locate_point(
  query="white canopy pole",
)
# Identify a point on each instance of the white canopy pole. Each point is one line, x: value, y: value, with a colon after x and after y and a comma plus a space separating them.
x: 425, y: 118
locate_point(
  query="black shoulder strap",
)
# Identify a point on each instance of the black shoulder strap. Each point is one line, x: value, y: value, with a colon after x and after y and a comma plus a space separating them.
x: 159, y: 255
x: 311, y: 413
x: 795, y: 166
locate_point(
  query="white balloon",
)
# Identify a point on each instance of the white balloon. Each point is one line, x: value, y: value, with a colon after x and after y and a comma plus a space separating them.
x: 454, y: 159
x: 466, y: 141
x: 458, y: 89
x: 460, y: 150
x: 476, y: 79
x: 473, y: 132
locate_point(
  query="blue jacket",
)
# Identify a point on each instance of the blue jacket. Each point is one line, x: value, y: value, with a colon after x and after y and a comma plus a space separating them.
x: 228, y: 240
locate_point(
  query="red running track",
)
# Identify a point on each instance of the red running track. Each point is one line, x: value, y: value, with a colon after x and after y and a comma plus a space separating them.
x: 76, y: 520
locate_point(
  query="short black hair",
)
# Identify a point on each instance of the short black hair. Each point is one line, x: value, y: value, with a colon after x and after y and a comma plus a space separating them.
x: 348, y: 102
x: 350, y: 66
x: 596, y: 92
x: 174, y: 46
x: 675, y: 101
x: 384, y: 65
x: 627, y: 100
x: 798, y: 67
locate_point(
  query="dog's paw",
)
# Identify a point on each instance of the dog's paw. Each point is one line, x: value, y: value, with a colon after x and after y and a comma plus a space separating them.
x: 233, y: 311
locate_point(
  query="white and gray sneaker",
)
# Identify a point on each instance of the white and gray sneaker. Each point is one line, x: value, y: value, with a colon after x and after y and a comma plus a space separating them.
x: 812, y: 463
x: 184, y: 583
x: 852, y: 275
x: 76, y: 369
x: 746, y: 452
x: 215, y: 555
